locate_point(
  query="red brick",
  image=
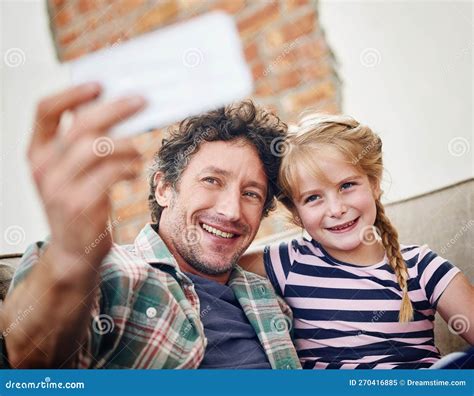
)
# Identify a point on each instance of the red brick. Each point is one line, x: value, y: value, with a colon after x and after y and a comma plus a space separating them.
x: 126, y: 233
x: 291, y: 30
x: 294, y: 4
x: 312, y: 49
x: 85, y: 6
x: 315, y: 71
x: 259, y: 19
x: 56, y: 3
x: 310, y: 97
x: 231, y: 7
x: 162, y: 14
x: 140, y: 188
x: 330, y: 108
x: 120, y: 191
x: 298, y: 51
x: 62, y: 17
x: 287, y: 80
x: 70, y: 54
x: 124, y: 7
x: 258, y: 71
x: 68, y: 38
x: 264, y: 89
x: 92, y: 23
x: 251, y: 51
x: 132, y: 210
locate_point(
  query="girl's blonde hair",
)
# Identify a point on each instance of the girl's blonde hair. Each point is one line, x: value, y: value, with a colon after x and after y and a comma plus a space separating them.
x: 363, y: 149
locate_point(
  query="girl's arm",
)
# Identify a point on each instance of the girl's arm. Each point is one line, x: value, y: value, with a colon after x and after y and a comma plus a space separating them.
x: 253, y: 262
x: 458, y: 300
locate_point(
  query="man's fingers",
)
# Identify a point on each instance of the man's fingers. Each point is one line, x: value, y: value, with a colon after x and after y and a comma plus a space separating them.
x: 88, y: 153
x: 85, y: 158
x: 50, y: 109
x: 97, y: 185
x: 99, y: 118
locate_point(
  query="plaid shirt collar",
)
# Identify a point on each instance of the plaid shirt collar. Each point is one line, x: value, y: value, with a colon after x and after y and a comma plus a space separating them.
x: 149, y: 245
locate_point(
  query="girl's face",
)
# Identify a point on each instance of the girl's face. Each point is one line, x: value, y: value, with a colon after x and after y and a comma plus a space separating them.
x: 339, y: 208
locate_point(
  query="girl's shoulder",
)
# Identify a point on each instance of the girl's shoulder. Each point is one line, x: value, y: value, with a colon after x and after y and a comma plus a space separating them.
x: 300, y: 245
x: 416, y: 255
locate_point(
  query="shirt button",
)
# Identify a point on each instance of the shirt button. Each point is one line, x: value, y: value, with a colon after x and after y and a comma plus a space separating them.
x: 151, y: 312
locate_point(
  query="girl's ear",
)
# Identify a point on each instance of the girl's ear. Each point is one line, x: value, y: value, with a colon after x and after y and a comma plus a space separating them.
x: 376, y: 190
x: 296, y: 218
x: 163, y: 191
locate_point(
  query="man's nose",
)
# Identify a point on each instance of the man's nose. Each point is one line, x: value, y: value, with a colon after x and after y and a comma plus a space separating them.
x: 229, y: 205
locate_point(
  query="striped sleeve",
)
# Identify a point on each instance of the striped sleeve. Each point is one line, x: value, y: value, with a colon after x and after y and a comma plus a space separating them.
x: 278, y: 259
x: 434, y: 274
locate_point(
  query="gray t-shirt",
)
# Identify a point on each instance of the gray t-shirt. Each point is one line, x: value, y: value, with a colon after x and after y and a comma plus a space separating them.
x: 232, y: 341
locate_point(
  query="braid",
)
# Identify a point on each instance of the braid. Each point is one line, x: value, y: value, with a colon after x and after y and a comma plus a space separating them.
x: 389, y: 237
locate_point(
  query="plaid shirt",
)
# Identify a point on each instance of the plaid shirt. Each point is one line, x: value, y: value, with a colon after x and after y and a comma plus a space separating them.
x: 146, y: 313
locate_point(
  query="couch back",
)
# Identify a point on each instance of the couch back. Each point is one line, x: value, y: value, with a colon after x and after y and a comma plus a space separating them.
x: 443, y: 220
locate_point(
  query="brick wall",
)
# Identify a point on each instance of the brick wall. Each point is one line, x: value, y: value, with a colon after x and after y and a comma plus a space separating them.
x: 284, y: 45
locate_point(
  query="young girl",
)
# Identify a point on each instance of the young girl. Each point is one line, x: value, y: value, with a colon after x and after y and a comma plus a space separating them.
x: 359, y: 298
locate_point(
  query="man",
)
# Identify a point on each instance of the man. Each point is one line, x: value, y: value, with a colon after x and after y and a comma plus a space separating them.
x: 176, y: 297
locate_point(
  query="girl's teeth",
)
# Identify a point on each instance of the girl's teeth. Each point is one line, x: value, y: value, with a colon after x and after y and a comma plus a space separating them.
x: 344, y: 226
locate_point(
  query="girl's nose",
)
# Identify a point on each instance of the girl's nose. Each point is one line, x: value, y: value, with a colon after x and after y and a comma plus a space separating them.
x: 337, y: 208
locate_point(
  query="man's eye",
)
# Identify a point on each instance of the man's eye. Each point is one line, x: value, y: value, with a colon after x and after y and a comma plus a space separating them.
x: 347, y: 185
x: 210, y: 180
x: 312, y: 198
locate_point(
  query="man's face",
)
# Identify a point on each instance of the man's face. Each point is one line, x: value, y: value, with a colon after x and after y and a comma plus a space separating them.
x: 215, y: 212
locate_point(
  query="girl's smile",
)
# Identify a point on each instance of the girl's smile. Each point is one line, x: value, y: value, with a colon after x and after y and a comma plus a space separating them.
x: 350, y: 225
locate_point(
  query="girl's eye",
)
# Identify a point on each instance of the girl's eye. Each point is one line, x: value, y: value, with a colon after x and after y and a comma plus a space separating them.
x: 253, y: 195
x: 312, y: 198
x: 347, y: 185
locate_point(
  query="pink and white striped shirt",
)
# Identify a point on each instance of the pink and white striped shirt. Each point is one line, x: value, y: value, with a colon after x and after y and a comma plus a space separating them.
x: 346, y: 316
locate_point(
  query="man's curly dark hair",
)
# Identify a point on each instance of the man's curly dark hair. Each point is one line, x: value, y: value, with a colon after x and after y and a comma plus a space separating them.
x: 242, y: 121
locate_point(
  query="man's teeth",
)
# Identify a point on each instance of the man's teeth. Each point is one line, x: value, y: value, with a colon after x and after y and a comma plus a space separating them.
x: 217, y: 232
x: 343, y: 226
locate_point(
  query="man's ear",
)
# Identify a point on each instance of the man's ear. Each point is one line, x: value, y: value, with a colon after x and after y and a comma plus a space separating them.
x: 163, y: 191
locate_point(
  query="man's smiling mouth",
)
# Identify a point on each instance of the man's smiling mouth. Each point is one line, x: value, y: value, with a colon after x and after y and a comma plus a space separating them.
x: 214, y: 231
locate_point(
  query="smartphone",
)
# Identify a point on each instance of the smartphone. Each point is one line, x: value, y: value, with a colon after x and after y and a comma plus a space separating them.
x: 182, y: 70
